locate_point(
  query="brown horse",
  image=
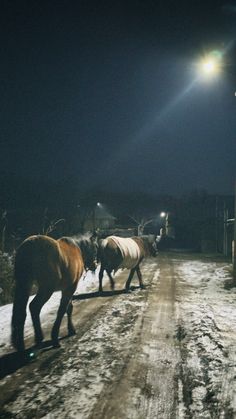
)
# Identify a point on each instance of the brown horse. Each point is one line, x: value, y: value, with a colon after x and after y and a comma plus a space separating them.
x: 54, y: 265
x: 117, y: 252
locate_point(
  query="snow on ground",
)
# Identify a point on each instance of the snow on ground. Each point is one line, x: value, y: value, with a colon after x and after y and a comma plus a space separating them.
x: 205, y: 319
x: 207, y: 325
x: 86, y: 284
x: 78, y: 377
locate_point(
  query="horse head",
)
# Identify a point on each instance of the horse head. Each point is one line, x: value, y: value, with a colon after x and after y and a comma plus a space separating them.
x: 150, y: 244
x: 89, y: 249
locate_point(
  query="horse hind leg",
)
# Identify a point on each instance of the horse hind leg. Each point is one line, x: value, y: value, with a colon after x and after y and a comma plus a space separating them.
x: 141, y: 284
x: 65, y: 301
x: 130, y: 277
x: 35, y: 306
x: 71, y: 329
x: 112, y: 282
x: 19, y: 315
x: 100, y: 278
x: 101, y: 272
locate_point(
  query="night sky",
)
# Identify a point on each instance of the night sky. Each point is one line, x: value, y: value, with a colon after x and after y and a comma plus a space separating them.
x: 106, y: 93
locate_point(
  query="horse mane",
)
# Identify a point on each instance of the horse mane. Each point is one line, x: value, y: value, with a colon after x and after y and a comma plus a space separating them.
x: 77, y: 239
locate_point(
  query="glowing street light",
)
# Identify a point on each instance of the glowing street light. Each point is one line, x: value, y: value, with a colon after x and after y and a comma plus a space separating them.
x: 164, y: 215
x: 97, y: 205
x: 210, y: 65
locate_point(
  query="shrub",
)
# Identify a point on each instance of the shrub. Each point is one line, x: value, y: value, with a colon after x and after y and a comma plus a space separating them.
x: 6, y: 278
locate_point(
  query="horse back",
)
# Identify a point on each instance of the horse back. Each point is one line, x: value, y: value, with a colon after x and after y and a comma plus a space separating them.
x: 120, y: 252
x: 47, y: 261
x: 72, y: 259
x: 147, y: 245
x: 131, y: 252
x: 141, y: 245
x: 109, y: 254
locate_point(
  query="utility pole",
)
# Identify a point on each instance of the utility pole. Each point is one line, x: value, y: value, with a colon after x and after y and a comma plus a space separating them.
x: 216, y: 224
x: 225, y: 240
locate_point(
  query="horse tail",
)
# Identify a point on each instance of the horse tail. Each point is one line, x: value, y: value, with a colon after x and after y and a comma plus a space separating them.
x: 23, y: 280
x: 101, y: 247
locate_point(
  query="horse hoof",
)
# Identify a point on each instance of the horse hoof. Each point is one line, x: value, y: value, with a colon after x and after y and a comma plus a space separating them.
x: 39, y: 344
x: 72, y: 332
x: 127, y: 290
x: 21, y: 351
x: 56, y: 344
x: 20, y: 347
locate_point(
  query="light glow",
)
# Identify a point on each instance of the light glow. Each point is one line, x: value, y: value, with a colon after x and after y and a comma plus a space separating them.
x: 210, y: 65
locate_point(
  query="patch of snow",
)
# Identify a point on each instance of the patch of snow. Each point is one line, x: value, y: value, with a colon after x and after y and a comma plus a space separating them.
x: 208, y: 317
x: 87, y: 283
x: 84, y: 369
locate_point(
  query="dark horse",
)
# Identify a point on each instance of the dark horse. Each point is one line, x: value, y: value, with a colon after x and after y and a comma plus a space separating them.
x: 54, y: 265
x: 117, y: 252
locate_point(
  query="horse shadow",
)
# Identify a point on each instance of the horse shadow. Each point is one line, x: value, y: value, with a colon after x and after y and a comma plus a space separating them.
x: 96, y: 294
x: 13, y: 361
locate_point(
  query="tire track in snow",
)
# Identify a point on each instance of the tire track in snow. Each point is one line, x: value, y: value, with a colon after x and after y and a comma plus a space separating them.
x: 148, y: 387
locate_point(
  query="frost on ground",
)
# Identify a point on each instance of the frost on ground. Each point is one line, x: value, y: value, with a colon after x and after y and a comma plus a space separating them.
x: 76, y: 378
x: 206, y: 331
x: 87, y: 283
x: 166, y: 352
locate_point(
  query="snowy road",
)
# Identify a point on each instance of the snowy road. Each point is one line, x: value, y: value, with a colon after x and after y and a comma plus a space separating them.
x: 165, y: 352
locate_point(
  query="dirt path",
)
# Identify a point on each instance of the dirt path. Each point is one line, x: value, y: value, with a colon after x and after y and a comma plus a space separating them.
x: 147, y: 387
x: 135, y: 355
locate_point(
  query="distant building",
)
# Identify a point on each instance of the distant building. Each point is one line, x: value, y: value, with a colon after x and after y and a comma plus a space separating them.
x: 99, y: 219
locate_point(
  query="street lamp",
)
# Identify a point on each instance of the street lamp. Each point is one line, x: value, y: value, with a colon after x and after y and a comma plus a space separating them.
x: 94, y: 215
x: 163, y: 230
x: 97, y: 205
x: 210, y: 66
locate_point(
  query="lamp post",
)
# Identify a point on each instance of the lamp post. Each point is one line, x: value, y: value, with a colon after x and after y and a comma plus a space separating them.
x: 97, y: 205
x: 169, y: 229
x: 209, y: 67
x: 163, y: 229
